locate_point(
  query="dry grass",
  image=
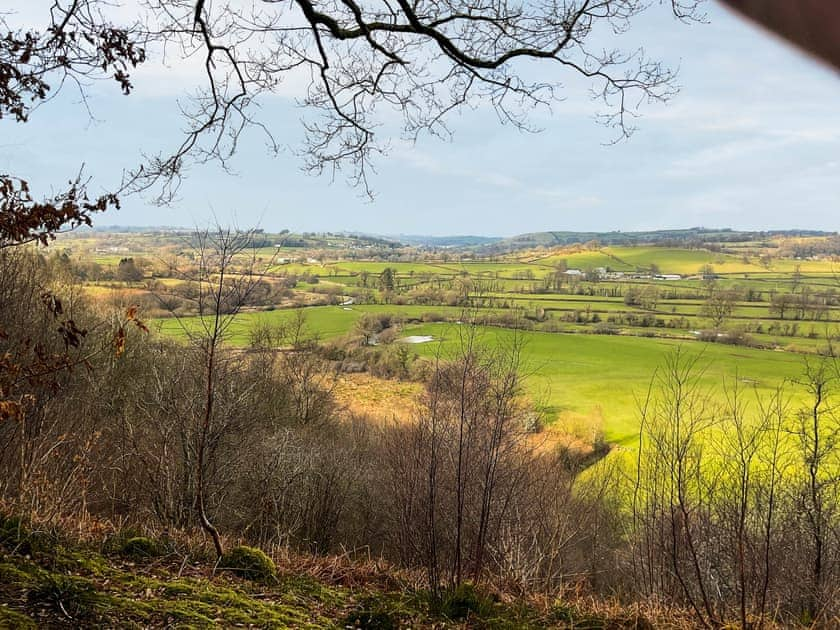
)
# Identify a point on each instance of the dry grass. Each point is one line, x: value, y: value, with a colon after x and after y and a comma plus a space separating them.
x: 384, y: 400
x: 377, y: 398
x: 336, y: 583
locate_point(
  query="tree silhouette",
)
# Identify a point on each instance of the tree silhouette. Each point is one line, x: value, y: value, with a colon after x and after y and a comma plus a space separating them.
x: 363, y: 60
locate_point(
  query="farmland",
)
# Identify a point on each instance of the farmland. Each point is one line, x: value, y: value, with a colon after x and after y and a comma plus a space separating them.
x: 596, y: 320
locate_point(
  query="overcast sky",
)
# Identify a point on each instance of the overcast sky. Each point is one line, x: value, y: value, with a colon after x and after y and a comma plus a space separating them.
x: 752, y: 142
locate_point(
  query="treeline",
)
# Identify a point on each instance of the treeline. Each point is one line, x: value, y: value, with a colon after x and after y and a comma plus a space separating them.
x: 729, y: 510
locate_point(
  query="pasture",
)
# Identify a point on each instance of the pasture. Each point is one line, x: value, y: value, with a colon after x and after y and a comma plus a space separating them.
x: 594, y: 338
x: 591, y: 382
x: 584, y: 383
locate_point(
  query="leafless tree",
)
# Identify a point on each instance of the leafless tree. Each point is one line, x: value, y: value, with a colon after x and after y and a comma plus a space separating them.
x: 817, y: 431
x: 719, y: 305
x: 671, y: 488
x: 424, y: 61
x: 734, y: 506
x: 463, y: 462
x: 224, y: 276
x: 746, y: 509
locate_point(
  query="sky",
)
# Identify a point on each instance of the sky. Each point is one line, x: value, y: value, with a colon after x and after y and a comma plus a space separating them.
x: 752, y: 141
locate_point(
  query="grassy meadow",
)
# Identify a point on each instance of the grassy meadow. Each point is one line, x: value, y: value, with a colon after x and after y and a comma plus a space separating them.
x: 590, y: 350
x: 592, y: 382
x: 582, y: 382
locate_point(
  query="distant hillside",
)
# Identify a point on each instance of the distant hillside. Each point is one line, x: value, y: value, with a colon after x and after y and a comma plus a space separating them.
x: 696, y: 237
x: 688, y: 236
x: 445, y: 241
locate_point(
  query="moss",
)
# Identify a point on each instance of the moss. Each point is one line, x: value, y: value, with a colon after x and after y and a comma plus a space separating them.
x: 13, y: 531
x: 303, y: 587
x: 11, y: 574
x: 74, y: 561
x: 114, y: 543
x: 141, y: 548
x: 78, y: 587
x: 632, y: 621
x: 249, y: 563
x: 462, y: 602
x: 13, y: 619
x: 18, y: 537
x: 370, y: 619
x: 72, y: 597
x: 177, y: 588
x: 119, y: 596
x: 570, y: 614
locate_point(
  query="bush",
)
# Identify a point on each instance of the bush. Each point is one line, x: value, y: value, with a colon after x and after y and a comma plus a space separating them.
x: 387, y: 336
x: 433, y: 316
x: 249, y: 563
x: 531, y: 423
x: 114, y: 543
x: 600, y: 446
x: 605, y: 329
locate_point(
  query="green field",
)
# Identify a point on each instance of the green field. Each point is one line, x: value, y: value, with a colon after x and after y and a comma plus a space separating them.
x: 327, y: 322
x: 601, y: 378
x: 594, y: 340
x: 581, y: 380
x: 682, y: 261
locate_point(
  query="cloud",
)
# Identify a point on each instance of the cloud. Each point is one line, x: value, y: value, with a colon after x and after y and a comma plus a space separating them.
x: 167, y: 71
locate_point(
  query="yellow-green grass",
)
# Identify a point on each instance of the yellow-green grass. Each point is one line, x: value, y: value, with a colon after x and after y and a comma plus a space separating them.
x: 501, y: 269
x: 789, y: 265
x: 757, y: 311
x: 298, y: 269
x: 588, y: 260
x: 401, y: 268
x: 579, y: 378
x: 328, y: 322
x: 600, y: 378
x: 109, y: 260
x: 681, y: 261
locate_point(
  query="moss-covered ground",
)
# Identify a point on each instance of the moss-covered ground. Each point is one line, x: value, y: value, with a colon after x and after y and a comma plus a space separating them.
x: 47, y: 582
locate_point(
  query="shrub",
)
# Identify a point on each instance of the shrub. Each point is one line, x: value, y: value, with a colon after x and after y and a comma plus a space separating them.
x: 432, y: 316
x: 605, y: 329
x: 531, y: 423
x: 114, y: 543
x: 249, y: 563
x: 600, y: 446
x: 387, y: 336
